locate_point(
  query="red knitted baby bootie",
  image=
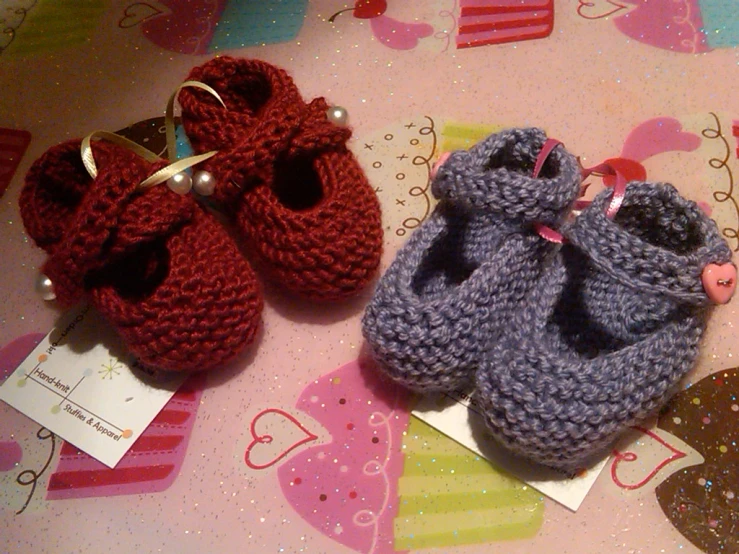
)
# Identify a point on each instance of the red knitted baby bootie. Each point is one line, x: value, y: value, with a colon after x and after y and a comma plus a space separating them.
x: 284, y: 171
x: 153, y: 262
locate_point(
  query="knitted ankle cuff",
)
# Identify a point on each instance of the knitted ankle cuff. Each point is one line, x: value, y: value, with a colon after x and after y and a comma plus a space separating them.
x: 658, y: 241
x: 156, y: 265
x: 298, y: 195
x: 495, y: 176
x: 265, y: 119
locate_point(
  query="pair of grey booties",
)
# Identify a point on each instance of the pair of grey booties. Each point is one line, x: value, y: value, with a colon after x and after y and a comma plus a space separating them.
x: 565, y: 345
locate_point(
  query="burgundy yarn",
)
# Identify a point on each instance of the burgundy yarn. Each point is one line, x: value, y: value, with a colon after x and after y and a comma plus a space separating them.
x: 154, y: 263
x: 283, y: 170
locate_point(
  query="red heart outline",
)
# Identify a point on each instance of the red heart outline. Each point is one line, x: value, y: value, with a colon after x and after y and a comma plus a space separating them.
x: 266, y: 439
x: 585, y: 4
x: 619, y: 457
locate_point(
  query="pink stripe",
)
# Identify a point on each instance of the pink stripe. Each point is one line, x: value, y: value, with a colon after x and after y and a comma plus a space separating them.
x: 506, y: 5
x: 478, y: 23
x: 619, y: 189
x: 157, y: 444
x: 150, y: 466
x: 64, y: 481
x: 171, y: 417
x: 470, y: 40
x: 481, y: 7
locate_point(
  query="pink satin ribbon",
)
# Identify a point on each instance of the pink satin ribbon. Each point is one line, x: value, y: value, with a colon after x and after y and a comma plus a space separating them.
x: 600, y: 170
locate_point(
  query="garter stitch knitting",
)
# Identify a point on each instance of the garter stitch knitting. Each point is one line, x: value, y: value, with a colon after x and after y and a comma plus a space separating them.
x: 283, y: 170
x: 160, y: 269
x: 607, y: 333
x: 464, y: 272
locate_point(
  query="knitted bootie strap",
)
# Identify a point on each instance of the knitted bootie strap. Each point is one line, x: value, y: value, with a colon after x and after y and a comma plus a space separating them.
x: 114, y: 216
x: 281, y: 134
x: 497, y: 176
x: 658, y: 241
x: 701, y: 277
x: 285, y: 128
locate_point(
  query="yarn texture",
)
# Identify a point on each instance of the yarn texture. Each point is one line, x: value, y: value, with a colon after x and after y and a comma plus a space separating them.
x: 283, y: 170
x: 455, y: 285
x: 607, y: 333
x: 159, y: 268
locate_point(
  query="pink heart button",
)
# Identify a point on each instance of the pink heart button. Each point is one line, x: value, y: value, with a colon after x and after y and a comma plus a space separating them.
x: 444, y: 157
x: 719, y: 282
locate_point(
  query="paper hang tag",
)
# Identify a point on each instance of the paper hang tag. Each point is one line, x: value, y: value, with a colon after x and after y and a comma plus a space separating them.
x: 460, y: 420
x: 82, y: 385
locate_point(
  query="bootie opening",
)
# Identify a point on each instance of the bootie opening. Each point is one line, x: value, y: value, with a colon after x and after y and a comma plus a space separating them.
x: 520, y: 157
x: 56, y: 184
x: 66, y: 179
x: 463, y: 245
x: 659, y: 222
x: 444, y: 265
x: 137, y: 275
x: 496, y: 176
x: 597, y: 315
x: 296, y: 183
x: 246, y: 92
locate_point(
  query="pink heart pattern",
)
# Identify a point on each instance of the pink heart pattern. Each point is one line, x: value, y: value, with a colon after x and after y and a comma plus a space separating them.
x: 657, y: 136
x: 187, y: 28
x: 11, y: 452
x: 263, y: 451
x: 398, y: 35
x: 347, y: 488
x: 675, y: 25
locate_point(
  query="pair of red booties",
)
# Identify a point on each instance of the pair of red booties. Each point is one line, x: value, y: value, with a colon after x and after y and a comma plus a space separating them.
x: 160, y: 268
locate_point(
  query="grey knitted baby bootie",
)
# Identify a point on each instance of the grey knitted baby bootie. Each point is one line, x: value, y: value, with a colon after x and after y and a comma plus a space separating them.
x: 609, y: 332
x: 466, y: 269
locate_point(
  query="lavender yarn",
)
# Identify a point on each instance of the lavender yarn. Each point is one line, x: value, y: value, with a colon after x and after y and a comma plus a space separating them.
x: 608, y: 332
x: 466, y: 270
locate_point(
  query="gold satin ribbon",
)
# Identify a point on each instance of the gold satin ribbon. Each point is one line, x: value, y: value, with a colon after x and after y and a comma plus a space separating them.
x: 164, y: 174
x: 89, y: 161
x: 169, y: 115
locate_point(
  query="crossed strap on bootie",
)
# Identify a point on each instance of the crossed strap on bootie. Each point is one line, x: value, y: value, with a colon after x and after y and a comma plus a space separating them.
x: 464, y: 272
x: 612, y: 328
x: 157, y: 266
x: 298, y: 195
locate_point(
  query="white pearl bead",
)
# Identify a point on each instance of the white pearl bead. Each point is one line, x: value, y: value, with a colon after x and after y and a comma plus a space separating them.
x: 204, y: 183
x: 44, y: 287
x: 181, y: 183
x: 337, y: 115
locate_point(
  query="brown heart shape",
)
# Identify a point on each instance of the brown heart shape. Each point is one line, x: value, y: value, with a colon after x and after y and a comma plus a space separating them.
x: 702, y: 501
x: 137, y: 13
